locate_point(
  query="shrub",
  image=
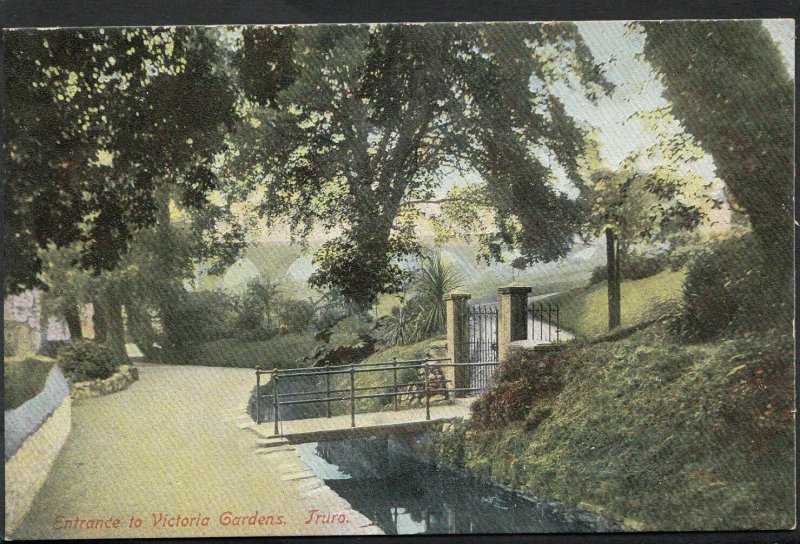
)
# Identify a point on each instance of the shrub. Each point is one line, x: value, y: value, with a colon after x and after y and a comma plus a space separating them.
x: 527, y: 383
x: 542, y: 368
x: 83, y: 361
x: 399, y: 327
x: 23, y: 379
x: 730, y: 288
x: 52, y: 347
x: 258, y: 334
x: 295, y: 315
x: 502, y: 404
x: 201, y: 316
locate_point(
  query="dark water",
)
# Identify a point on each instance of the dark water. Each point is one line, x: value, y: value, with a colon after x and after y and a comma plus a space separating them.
x: 404, y: 495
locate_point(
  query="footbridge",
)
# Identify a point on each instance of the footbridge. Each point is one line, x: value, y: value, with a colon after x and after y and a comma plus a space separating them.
x: 350, y: 401
x: 346, y: 401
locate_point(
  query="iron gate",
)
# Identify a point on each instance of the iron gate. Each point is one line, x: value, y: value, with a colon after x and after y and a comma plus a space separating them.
x: 482, y: 321
x: 543, y: 323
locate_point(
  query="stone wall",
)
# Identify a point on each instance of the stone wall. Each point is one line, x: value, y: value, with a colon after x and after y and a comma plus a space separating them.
x: 120, y: 380
x: 27, y: 469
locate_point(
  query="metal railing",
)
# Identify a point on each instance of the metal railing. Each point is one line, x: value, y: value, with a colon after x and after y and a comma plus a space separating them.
x: 427, y: 387
x: 545, y: 321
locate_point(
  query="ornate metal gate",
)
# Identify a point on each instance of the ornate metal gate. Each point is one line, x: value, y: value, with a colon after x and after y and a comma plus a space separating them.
x: 482, y: 321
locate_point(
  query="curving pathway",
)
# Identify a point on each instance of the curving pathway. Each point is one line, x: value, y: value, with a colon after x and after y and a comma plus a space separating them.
x: 174, y: 444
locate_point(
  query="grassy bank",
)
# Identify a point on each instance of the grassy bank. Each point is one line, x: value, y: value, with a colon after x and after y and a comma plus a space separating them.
x: 584, y: 311
x: 385, y: 379
x: 24, y: 378
x: 657, y: 435
x: 650, y: 431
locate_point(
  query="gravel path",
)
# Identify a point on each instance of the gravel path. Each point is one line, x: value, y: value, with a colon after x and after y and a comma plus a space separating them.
x: 171, y: 444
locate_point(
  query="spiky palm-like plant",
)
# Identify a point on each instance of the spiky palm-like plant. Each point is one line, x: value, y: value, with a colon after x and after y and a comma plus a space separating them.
x: 433, y: 281
x: 400, y: 327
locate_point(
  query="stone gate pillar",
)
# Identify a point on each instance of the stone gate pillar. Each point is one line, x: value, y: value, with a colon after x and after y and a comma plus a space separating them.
x: 457, y: 340
x: 512, y: 319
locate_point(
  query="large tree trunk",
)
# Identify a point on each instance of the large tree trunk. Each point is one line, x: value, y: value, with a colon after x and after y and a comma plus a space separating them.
x: 73, y: 318
x: 728, y: 86
x: 108, y: 314
x: 98, y: 320
x: 613, y: 273
x: 170, y: 290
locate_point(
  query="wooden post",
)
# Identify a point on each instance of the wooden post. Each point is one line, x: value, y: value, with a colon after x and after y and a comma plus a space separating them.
x: 513, y: 317
x: 458, y: 341
x: 613, y: 273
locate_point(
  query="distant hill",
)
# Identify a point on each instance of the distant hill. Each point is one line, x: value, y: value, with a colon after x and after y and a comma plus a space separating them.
x: 285, y: 263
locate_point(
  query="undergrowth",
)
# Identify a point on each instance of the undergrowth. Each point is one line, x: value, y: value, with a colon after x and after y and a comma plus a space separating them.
x: 655, y: 434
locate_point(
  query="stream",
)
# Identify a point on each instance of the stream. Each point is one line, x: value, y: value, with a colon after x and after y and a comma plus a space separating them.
x: 388, y: 480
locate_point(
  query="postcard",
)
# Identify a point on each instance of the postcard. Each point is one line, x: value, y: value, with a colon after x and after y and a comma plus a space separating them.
x: 391, y: 279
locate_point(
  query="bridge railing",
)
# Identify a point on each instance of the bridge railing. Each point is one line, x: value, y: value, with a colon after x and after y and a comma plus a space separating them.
x: 426, y: 387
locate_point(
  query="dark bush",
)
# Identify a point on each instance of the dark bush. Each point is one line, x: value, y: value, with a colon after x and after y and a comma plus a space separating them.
x: 295, y: 315
x: 730, y: 288
x: 541, y: 368
x: 504, y: 403
x: 257, y: 334
x: 527, y: 383
x: 83, y: 361
x: 52, y: 347
x: 23, y: 379
x: 201, y: 316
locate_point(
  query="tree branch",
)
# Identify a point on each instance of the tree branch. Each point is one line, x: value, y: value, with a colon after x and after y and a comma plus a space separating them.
x: 438, y: 200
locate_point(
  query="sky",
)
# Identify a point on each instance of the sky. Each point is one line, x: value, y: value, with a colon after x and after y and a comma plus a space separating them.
x: 637, y: 88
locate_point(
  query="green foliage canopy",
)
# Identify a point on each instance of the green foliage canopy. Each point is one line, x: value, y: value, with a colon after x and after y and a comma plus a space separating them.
x: 358, y: 128
x: 96, y: 120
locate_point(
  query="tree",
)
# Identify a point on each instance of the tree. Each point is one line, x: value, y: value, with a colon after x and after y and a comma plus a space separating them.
x: 632, y: 205
x: 654, y: 196
x: 99, y: 120
x: 258, y: 304
x: 729, y: 87
x: 86, y: 145
x: 369, y: 116
x: 67, y: 285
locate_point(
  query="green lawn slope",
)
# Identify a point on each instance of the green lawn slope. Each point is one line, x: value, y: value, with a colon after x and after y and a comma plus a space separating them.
x: 584, y: 311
